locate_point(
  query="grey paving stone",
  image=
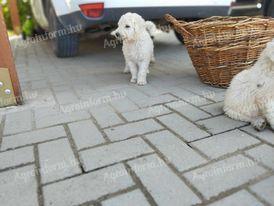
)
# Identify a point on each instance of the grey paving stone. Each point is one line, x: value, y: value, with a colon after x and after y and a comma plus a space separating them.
x: 156, y: 100
x: 18, y: 187
x: 134, y: 198
x: 220, y: 124
x: 48, y: 117
x: 224, y: 143
x: 214, y: 109
x: 87, y: 187
x: 190, y: 97
x: 85, y: 134
x: 165, y: 187
x: 266, y: 135
x: 146, y: 113
x: 124, y: 105
x: 218, y: 177
x: 183, y: 127
x: 32, y: 137
x: 57, y: 161
x: 241, y: 198
x: 188, y: 110
x: 66, y: 97
x: 218, y: 97
x: 105, y: 116
x: 112, y: 153
x: 176, y: 151
x: 263, y: 153
x: 132, y: 129
x: 18, y: 122
x: 16, y: 157
x: 265, y: 189
x: 135, y: 95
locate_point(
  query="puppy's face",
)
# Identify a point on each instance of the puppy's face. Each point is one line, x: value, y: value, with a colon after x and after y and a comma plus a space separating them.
x: 129, y: 26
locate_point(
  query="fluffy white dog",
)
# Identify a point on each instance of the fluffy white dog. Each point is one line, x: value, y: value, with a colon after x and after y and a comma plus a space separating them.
x: 250, y: 97
x: 137, y: 46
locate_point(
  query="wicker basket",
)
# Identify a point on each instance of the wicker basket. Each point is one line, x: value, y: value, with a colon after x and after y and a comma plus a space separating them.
x: 221, y: 47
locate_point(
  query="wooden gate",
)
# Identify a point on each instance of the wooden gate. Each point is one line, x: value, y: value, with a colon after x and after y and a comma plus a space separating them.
x: 10, y: 92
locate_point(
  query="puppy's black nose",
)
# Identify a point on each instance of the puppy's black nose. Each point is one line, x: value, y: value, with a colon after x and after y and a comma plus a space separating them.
x: 117, y: 34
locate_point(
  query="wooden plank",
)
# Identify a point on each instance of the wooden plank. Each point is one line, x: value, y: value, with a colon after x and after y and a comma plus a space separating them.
x: 6, y: 58
x: 15, y: 16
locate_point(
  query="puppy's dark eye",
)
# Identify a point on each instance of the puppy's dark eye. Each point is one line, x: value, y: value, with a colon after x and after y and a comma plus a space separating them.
x: 127, y: 26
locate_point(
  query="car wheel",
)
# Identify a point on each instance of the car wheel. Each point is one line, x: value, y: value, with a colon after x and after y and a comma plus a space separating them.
x: 64, y: 45
x: 179, y: 37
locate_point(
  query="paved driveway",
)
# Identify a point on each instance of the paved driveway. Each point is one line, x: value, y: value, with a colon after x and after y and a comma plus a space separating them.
x: 86, y: 136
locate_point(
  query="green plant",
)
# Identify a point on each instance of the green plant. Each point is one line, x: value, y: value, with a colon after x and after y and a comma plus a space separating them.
x: 26, y: 17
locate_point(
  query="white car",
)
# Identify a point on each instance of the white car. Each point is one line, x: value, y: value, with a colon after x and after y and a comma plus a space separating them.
x: 67, y: 19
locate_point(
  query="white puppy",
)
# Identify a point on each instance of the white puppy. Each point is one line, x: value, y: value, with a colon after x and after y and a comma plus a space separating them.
x: 250, y: 97
x: 137, y: 46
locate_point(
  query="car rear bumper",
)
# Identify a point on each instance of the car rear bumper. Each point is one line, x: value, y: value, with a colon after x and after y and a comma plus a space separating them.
x: 246, y: 8
x: 112, y: 16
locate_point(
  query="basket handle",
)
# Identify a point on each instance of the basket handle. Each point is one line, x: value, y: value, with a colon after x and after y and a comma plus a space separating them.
x: 178, y: 25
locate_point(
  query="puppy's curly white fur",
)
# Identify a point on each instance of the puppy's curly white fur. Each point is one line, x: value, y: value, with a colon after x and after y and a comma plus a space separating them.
x: 250, y: 97
x: 137, y: 46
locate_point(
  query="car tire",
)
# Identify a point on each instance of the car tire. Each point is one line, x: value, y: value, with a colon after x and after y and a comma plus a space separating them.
x: 63, y: 45
x: 179, y: 37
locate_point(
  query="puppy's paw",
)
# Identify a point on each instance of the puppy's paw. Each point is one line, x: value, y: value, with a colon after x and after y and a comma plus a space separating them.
x: 141, y: 82
x: 133, y: 80
x: 259, y: 124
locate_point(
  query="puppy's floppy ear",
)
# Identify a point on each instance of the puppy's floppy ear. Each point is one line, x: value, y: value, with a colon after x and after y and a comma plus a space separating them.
x: 139, y: 23
x: 269, y: 50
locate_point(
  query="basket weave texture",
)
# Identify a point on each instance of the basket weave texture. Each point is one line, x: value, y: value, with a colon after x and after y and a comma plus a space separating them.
x: 221, y: 47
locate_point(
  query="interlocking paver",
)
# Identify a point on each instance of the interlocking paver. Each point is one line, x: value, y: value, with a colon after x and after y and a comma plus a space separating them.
x: 48, y: 116
x: 14, y: 123
x: 165, y: 187
x: 16, y: 157
x: 124, y: 105
x: 85, y: 134
x: 90, y: 113
x: 183, y: 127
x: 18, y: 187
x: 188, y: 110
x: 134, y: 198
x: 240, y: 198
x: 66, y: 97
x: 57, y: 161
x: 146, y: 113
x: 218, y: 177
x: 265, y: 189
x: 156, y: 100
x: 32, y: 137
x: 266, y: 135
x: 264, y: 154
x: 190, y: 97
x: 105, y: 116
x: 132, y: 129
x: 214, y: 109
x: 220, y: 124
x: 112, y: 153
x: 176, y: 151
x: 224, y: 143
x: 87, y: 187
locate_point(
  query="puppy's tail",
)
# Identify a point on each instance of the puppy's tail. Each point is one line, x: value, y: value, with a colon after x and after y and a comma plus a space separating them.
x: 151, y: 28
